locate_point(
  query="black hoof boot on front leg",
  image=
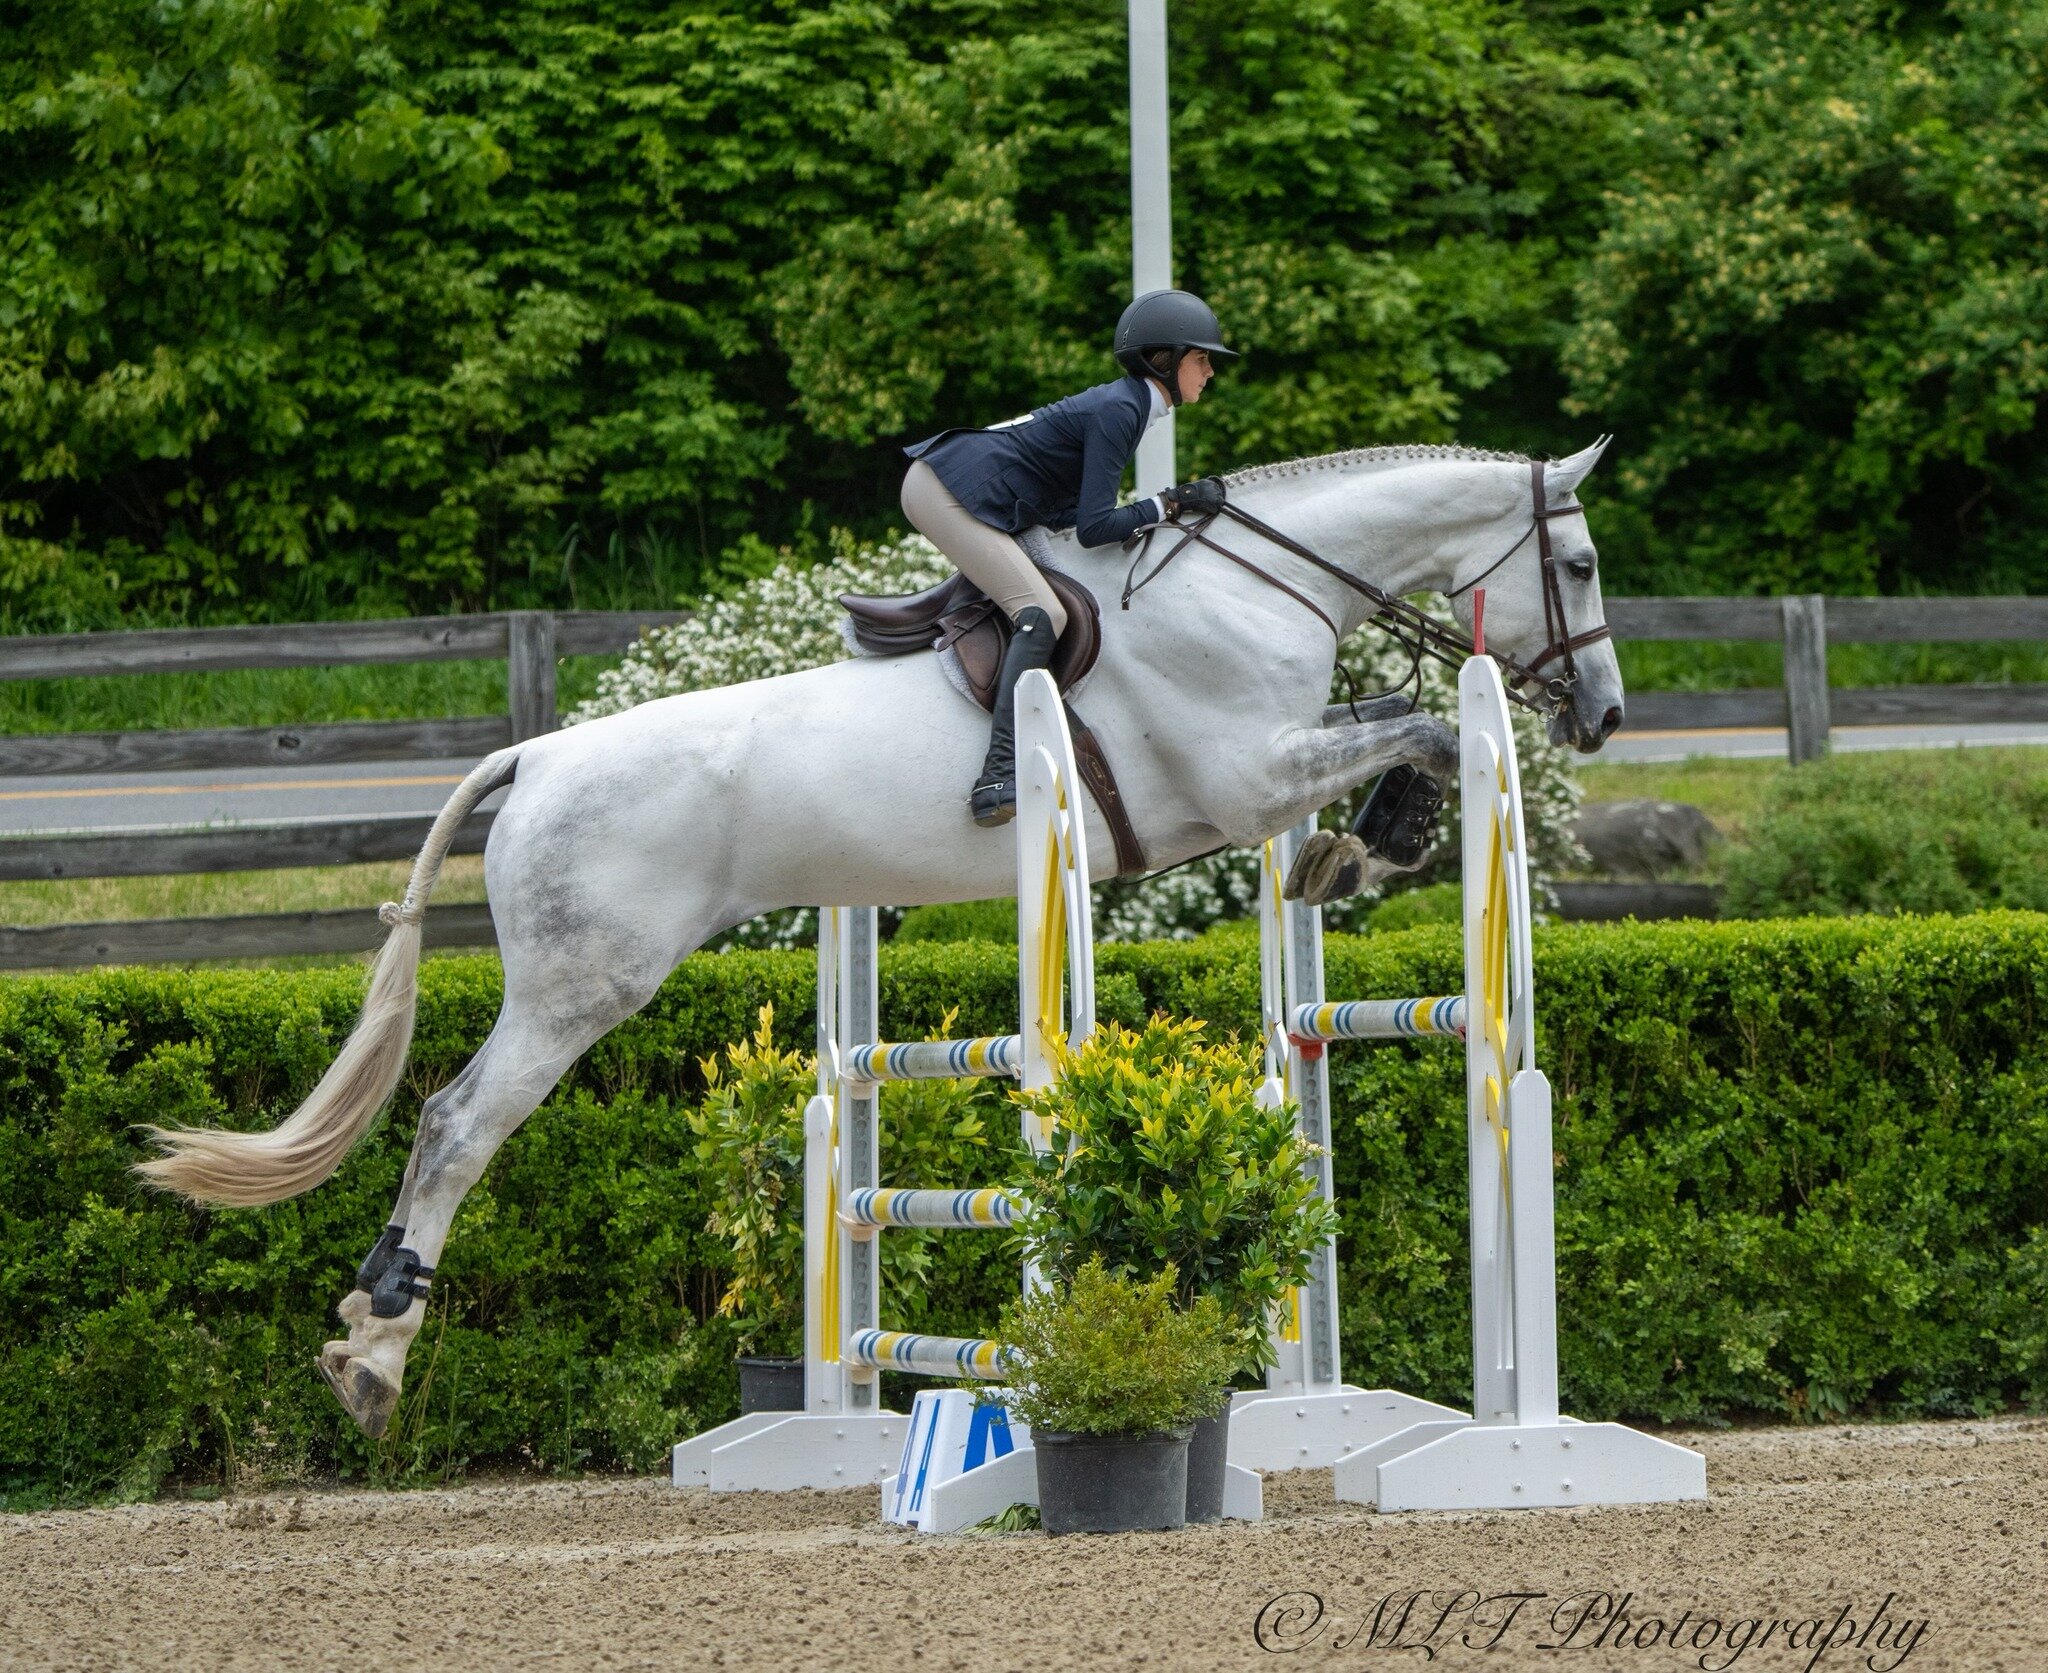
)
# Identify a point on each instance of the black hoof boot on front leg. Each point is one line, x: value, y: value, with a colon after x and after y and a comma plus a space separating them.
x: 1399, y: 817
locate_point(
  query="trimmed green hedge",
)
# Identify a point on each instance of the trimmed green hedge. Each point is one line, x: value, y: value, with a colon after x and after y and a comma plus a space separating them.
x: 1801, y: 1169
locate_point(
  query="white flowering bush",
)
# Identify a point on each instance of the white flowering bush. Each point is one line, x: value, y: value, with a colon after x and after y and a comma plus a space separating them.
x: 789, y: 619
x: 779, y: 623
x: 1179, y: 905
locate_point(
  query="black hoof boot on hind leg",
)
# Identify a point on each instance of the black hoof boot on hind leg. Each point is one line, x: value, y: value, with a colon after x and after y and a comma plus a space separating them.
x: 380, y: 1258
x: 392, y: 1275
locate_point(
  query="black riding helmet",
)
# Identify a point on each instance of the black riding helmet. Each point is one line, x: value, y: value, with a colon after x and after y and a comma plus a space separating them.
x: 1174, y: 320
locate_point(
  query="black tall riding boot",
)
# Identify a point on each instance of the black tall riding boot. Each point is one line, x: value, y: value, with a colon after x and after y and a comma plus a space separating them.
x: 994, y: 801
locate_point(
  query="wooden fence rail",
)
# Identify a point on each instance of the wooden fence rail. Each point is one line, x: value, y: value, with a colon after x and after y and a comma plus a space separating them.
x: 175, y: 850
x: 294, y: 934
x: 1803, y: 624
x: 529, y: 642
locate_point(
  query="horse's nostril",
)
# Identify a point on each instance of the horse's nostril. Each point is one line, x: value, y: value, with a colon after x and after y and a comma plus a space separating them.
x: 1610, y: 722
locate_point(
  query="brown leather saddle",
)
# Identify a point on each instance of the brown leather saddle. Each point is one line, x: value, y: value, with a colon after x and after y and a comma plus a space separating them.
x: 958, y: 615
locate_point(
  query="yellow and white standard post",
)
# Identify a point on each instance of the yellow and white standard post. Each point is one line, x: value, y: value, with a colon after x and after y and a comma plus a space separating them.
x: 1515, y: 1449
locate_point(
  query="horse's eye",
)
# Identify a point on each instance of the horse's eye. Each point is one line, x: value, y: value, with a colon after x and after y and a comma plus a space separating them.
x: 1581, y: 569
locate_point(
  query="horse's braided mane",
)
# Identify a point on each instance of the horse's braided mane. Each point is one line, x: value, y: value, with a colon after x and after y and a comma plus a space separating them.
x: 1368, y: 456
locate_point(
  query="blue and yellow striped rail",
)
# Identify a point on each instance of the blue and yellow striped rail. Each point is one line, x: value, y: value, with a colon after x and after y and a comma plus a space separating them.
x: 929, y: 1356
x: 993, y: 1054
x: 1379, y: 1019
x: 960, y: 1210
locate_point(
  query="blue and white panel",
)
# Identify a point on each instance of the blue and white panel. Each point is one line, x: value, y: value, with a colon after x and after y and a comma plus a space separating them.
x: 952, y: 1431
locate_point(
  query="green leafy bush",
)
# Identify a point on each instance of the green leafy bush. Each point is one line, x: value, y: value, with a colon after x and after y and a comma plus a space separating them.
x: 1811, y: 313
x: 1933, y: 831
x: 966, y: 920
x: 1162, y: 1158
x: 573, y: 303
x: 1105, y: 1353
x: 1802, y: 1169
x: 571, y: 299
x: 1434, y: 903
x: 751, y: 1152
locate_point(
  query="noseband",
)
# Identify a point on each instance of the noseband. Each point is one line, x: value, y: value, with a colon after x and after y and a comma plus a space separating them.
x: 1421, y: 633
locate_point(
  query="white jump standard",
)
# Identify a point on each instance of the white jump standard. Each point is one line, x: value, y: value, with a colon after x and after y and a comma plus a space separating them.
x: 1516, y: 1449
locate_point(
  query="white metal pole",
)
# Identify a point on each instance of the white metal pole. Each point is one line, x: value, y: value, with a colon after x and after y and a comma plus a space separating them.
x: 1151, y: 205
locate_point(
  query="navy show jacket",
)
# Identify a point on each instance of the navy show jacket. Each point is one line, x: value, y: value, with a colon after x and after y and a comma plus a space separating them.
x: 1060, y: 465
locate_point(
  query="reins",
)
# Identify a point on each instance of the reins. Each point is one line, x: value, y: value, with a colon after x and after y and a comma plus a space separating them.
x: 1410, y: 626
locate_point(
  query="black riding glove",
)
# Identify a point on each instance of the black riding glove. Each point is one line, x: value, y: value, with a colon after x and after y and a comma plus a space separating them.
x: 1203, y: 497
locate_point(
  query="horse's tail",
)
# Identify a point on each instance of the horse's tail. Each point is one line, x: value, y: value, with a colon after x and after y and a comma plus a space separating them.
x: 247, y: 1169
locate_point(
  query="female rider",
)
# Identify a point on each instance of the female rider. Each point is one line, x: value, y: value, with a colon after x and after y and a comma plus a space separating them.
x: 970, y: 492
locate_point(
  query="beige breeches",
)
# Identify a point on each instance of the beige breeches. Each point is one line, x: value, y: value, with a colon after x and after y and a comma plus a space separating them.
x: 989, y: 558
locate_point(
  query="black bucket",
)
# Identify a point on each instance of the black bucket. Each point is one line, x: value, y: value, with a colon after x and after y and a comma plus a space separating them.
x: 1111, y: 1484
x: 771, y: 1385
x: 1208, y: 1458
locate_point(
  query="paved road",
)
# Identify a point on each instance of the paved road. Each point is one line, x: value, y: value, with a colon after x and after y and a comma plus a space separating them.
x: 279, y: 793
x: 1769, y: 742
x: 215, y: 798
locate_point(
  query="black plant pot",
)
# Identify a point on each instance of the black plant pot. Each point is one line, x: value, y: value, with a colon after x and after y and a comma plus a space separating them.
x: 771, y: 1385
x: 1208, y: 1457
x: 1110, y: 1484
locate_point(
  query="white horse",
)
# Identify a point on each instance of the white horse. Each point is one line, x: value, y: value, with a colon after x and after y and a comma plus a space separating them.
x: 626, y: 843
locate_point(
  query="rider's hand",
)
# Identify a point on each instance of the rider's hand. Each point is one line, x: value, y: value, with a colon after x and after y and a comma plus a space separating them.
x: 1203, y: 497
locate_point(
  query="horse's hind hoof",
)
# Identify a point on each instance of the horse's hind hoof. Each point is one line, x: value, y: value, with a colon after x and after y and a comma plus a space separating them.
x: 365, y: 1393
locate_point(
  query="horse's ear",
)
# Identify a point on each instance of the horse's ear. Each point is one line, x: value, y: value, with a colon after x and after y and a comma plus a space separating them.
x: 1565, y: 475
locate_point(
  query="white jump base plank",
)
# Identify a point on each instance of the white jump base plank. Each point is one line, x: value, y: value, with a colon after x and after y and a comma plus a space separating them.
x: 843, y: 1449
x: 1312, y: 1431
x: 1512, y: 1466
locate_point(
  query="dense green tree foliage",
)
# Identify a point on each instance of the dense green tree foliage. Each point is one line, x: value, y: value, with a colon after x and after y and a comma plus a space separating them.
x: 1816, y: 311
x: 346, y: 305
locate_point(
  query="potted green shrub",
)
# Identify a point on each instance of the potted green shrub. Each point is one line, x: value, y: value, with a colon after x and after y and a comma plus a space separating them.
x: 750, y: 1130
x: 1111, y: 1375
x: 1163, y: 1159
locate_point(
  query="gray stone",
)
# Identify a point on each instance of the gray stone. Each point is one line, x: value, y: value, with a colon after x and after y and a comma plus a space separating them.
x: 1644, y: 838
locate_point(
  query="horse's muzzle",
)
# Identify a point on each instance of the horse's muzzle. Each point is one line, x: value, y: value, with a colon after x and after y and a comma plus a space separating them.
x: 1569, y: 725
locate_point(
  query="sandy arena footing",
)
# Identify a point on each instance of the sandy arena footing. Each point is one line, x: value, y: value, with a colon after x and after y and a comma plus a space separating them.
x: 1922, y: 1546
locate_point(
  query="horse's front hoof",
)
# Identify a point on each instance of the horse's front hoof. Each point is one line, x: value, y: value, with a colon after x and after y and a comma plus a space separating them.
x: 365, y: 1393
x: 1308, y: 864
x: 1329, y: 867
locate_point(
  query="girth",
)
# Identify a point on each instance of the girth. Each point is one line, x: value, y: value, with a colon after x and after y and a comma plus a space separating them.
x: 957, y: 615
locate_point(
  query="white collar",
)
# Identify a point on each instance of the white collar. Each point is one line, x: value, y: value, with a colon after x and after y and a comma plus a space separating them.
x: 1158, y: 402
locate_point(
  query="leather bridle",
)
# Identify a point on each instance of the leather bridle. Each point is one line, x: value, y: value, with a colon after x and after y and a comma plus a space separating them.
x: 1421, y: 633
